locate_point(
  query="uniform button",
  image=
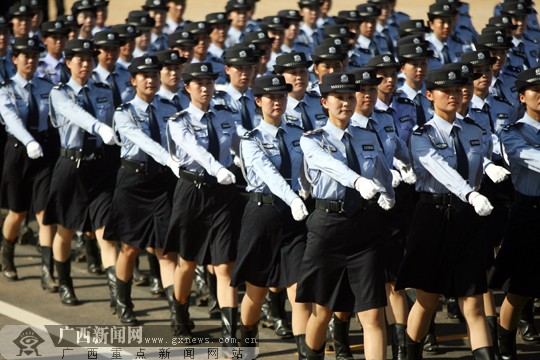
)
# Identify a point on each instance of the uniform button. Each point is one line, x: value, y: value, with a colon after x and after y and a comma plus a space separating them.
x: 136, y: 170
x: 72, y: 158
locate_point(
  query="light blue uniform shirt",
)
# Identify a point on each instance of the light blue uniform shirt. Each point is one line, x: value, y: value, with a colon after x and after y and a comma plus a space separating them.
x: 326, y: 161
x: 14, y: 99
x: 123, y: 82
x: 68, y: 113
x: 231, y: 97
x: 51, y: 69
x: 403, y: 113
x: 7, y: 65
x: 383, y: 125
x: 293, y: 114
x: 189, y: 131
x: 408, y: 92
x: 522, y: 145
x: 262, y: 161
x: 435, y: 160
x: 131, y: 121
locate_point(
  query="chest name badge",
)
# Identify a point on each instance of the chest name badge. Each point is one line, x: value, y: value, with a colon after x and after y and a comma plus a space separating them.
x: 291, y: 118
x: 405, y: 118
x: 225, y: 126
x: 368, y: 147
x: 102, y: 100
x: 320, y: 116
x: 296, y: 143
x: 502, y: 116
x: 389, y: 129
x: 475, y: 142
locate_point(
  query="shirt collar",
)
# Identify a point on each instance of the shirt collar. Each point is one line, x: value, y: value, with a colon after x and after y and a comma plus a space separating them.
x: 75, y: 86
x: 140, y: 103
x: 409, y: 91
x: 292, y: 102
x: 360, y: 119
x: 19, y: 80
x: 309, y: 31
x: 164, y: 93
x: 526, y: 119
x: 122, y: 62
x: 334, y: 131
x: 195, y: 113
x: 235, y: 94
x: 516, y: 41
x: 102, y: 72
x: 444, y: 126
x: 271, y: 129
x: 477, y: 103
x: 438, y: 44
x: 49, y: 59
x: 381, y: 105
x: 364, y: 42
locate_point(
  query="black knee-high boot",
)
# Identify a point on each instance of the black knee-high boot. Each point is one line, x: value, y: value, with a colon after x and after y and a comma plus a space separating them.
x: 111, y: 283
x: 65, y: 283
x: 48, y: 281
x: 399, y: 342
x: 494, y: 331
x: 526, y: 327
x: 301, y: 346
x: 8, y: 263
x: 484, y: 353
x: 124, y: 305
x: 341, y: 339
x: 156, y: 287
x: 180, y: 322
x: 507, y: 344
x: 414, y: 349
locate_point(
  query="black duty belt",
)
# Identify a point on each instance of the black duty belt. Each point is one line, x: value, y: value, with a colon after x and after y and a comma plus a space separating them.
x: 435, y: 199
x: 199, y: 179
x: 39, y: 137
x: 526, y: 199
x: 337, y: 205
x: 77, y: 154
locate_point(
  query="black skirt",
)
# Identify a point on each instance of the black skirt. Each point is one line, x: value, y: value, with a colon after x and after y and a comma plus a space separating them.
x: 205, y: 223
x: 445, y: 253
x: 79, y: 198
x: 342, y: 268
x: 25, y: 182
x: 270, y: 248
x: 516, y: 267
x: 141, y: 208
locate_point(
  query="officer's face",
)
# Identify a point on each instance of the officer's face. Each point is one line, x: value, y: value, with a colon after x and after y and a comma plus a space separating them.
x: 240, y: 75
x: 26, y: 63
x: 277, y: 37
x: 367, y: 28
x: 219, y: 33
x: 483, y: 83
x: 203, y: 40
x: 159, y: 16
x: 146, y: 84
x: 446, y: 100
x: 171, y: 76
x: 81, y: 66
x: 298, y: 78
x: 340, y: 108
x: 520, y: 22
x: 200, y: 91
x: 328, y: 67
x: 310, y: 15
x: 4, y: 40
x: 531, y: 98
x: 127, y: 49
x: 385, y: 13
x: 238, y: 18
x: 501, y: 56
x: 108, y: 56
x: 273, y: 106
x: 292, y: 31
x: 389, y: 82
x: 442, y: 27
x: 325, y: 7
x: 366, y: 97
x: 176, y: 9
x: 415, y: 71
x: 143, y: 41
x: 101, y: 15
x: 55, y: 43
x: 21, y: 25
x: 467, y: 92
x: 87, y: 20
x: 185, y: 51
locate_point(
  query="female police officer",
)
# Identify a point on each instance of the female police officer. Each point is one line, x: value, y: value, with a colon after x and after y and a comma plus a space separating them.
x: 515, y: 270
x: 203, y: 227
x: 446, y: 235
x: 141, y: 203
x: 272, y: 243
x: 340, y: 270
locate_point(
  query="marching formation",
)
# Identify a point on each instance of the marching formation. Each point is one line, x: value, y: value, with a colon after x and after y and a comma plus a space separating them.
x: 354, y: 164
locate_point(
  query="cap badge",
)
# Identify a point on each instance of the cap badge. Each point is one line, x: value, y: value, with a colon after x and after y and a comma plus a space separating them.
x: 275, y: 81
x: 537, y: 71
x: 504, y: 20
x: 369, y: 9
x: 130, y: 29
x: 144, y: 20
x: 204, y: 68
x: 352, y: 14
x: 276, y: 20
x: 386, y: 58
x: 148, y: 61
x: 241, y: 2
x: 297, y: 58
x: 174, y: 56
x: 331, y: 50
x: 344, y: 79
x: 110, y: 36
x: 366, y: 75
x: 337, y: 41
x: 261, y: 35
x: 85, y: 3
x: 292, y: 13
x: 519, y: 6
x: 57, y: 25
x: 185, y: 34
x: 201, y: 25
x: 242, y: 54
x: 419, y: 25
x: 22, y: 8
x: 342, y: 31
x: 220, y: 16
x: 86, y: 45
x: 419, y: 49
x: 481, y: 56
x: 157, y: 2
x: 416, y: 41
x: 452, y: 75
x: 465, y: 69
x: 31, y: 42
x: 446, y: 7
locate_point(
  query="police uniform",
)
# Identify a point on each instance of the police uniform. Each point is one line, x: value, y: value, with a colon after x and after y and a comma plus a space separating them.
x: 341, y: 268
x: 174, y: 101
x: 271, y: 243
x: 50, y: 68
x: 234, y: 35
x: 216, y: 20
x: 307, y: 35
x: 521, y: 143
x: 446, y: 236
x: 158, y: 42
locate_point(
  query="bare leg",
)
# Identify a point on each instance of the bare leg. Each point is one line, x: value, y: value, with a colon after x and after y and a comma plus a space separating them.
x: 397, y: 310
x: 109, y: 253
x: 46, y: 232
x: 167, y: 264
x: 420, y: 314
x: 374, y: 333
x: 300, y: 312
x: 126, y: 262
x: 62, y: 243
x: 510, y: 310
x: 227, y: 295
x: 252, y: 304
x: 183, y: 279
x: 317, y: 326
x: 472, y: 308
x: 12, y: 225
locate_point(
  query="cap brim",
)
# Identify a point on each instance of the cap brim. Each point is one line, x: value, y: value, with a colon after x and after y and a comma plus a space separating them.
x: 109, y: 43
x: 273, y: 90
x: 317, y: 58
x: 431, y: 85
x: 327, y: 89
x: 280, y: 68
x: 192, y: 76
x: 375, y: 81
x: 409, y: 57
x: 243, y: 61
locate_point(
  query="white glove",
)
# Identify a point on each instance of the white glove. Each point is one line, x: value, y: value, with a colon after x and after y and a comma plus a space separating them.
x: 408, y: 175
x: 386, y: 202
x: 237, y: 161
x: 174, y: 166
x: 481, y: 204
x: 34, y: 150
x: 367, y: 188
x: 497, y: 173
x: 107, y: 134
x: 298, y: 209
x: 304, y: 193
x: 396, y: 178
x: 225, y: 177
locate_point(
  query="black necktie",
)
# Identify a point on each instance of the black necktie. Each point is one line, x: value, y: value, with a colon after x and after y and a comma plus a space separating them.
x: 176, y: 102
x: 388, y: 38
x: 372, y: 128
x: 32, y: 121
x: 3, y: 70
x: 151, y: 165
x: 246, y: 121
x: 64, y: 73
x: 462, y: 161
x: 446, y: 55
x: 213, y: 141
x: 420, y: 114
x: 488, y: 112
x: 285, y: 169
x: 353, y: 200
x: 89, y: 140
x: 117, y: 99
x: 525, y: 58
x: 306, y: 122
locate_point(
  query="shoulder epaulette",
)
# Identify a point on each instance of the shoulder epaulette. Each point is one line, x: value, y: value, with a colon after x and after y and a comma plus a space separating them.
x: 122, y: 106
x: 379, y: 111
x: 501, y: 99
x: 509, y: 127
x: 312, y: 93
x: 102, y: 85
x: 458, y: 40
x: 5, y: 82
x: 470, y: 121
x: 220, y: 93
x: 529, y: 38
x: 220, y: 107
x: 216, y: 59
x: 45, y: 80
x: 294, y: 126
x: 249, y: 134
x: 420, y: 130
x: 313, y: 132
x: 178, y: 114
x: 404, y: 100
x: 59, y: 86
